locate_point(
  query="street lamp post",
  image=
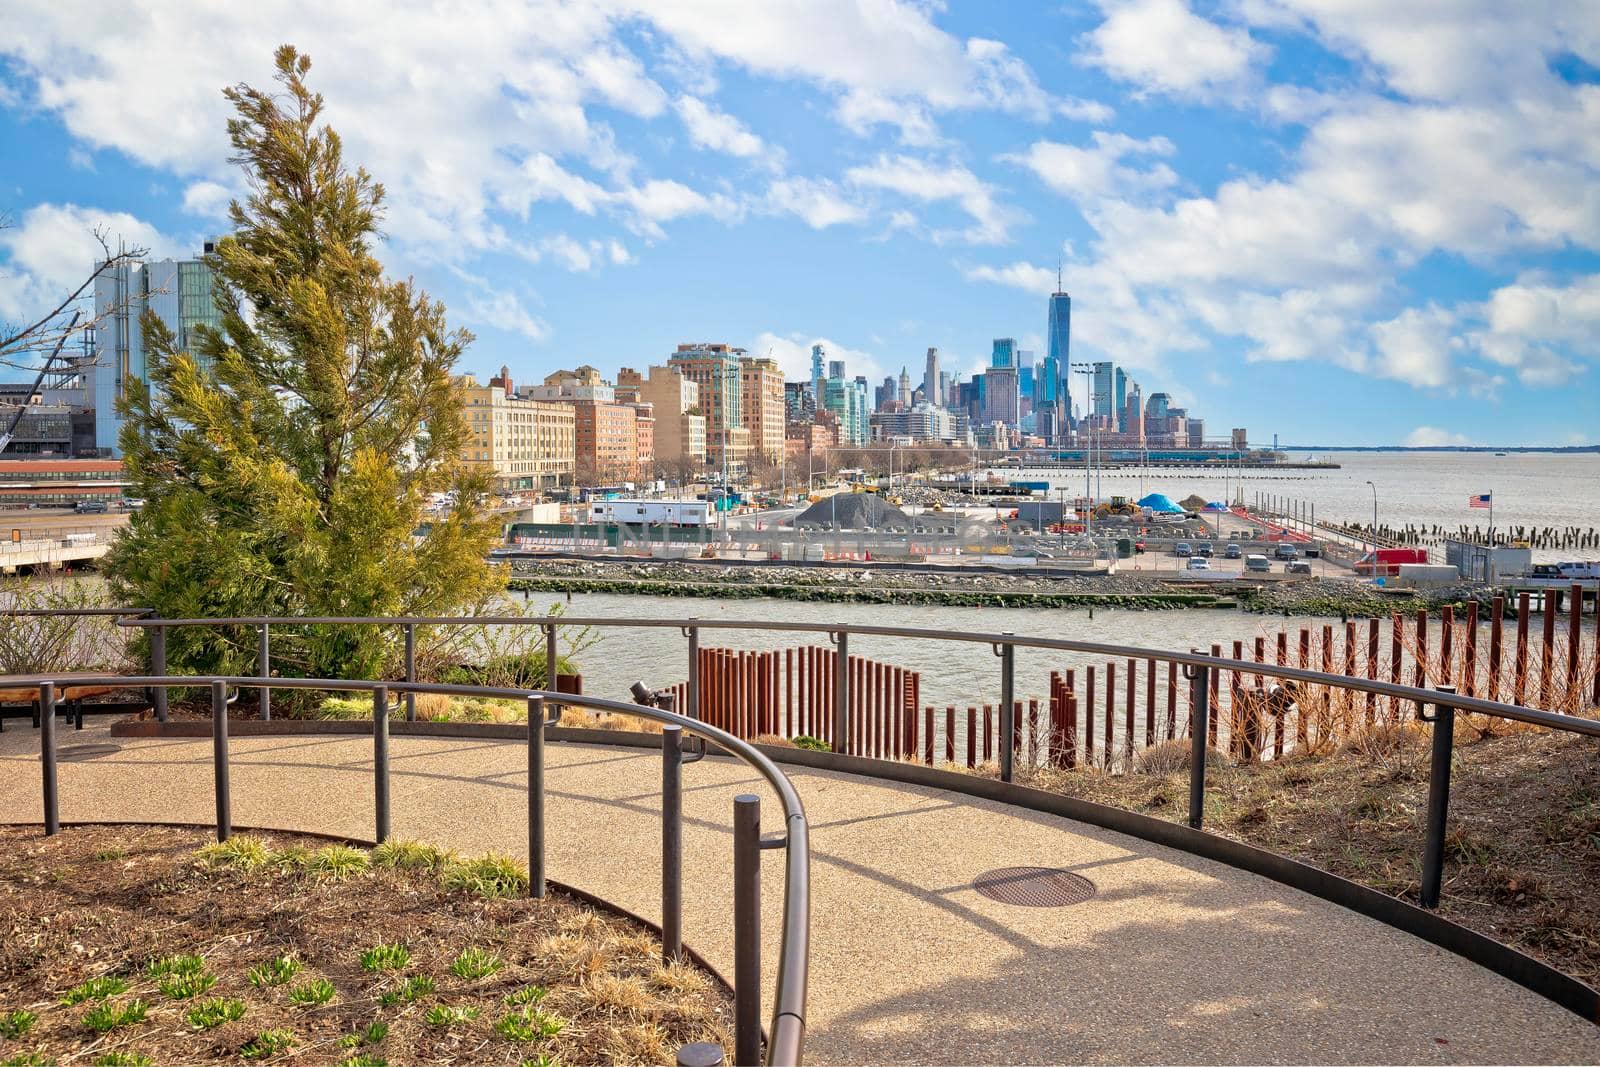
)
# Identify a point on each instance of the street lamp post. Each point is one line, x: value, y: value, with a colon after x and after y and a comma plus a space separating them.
x: 1374, y: 527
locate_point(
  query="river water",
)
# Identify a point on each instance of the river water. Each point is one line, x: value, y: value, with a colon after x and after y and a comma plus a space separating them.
x: 1419, y: 488
x: 955, y: 673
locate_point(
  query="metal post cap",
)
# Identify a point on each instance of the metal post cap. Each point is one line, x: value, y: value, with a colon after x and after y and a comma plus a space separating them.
x: 700, y: 1054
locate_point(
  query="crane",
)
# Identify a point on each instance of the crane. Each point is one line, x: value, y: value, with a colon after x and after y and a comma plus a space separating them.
x: 22, y: 409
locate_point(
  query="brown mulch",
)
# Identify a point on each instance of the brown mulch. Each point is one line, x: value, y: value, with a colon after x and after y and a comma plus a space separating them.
x: 106, y: 901
x: 1522, y: 851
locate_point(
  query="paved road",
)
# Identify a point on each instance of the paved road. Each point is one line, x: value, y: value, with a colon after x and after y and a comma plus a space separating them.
x: 1175, y: 959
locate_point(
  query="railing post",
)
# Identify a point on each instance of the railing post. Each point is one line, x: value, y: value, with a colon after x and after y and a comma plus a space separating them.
x: 380, y: 760
x: 671, y: 841
x: 536, y: 797
x: 693, y: 710
x: 158, y: 667
x: 264, y: 669
x: 411, y: 670
x: 47, y: 756
x: 551, y: 660
x: 746, y: 930
x: 219, y: 759
x: 1444, y: 729
x: 841, y: 698
x: 1199, y: 730
x: 1008, y: 710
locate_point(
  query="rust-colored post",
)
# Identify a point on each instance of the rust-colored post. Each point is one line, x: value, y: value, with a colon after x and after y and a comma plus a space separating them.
x: 1423, y: 666
x: 1131, y: 697
x: 1596, y: 693
x: 1325, y: 705
x: 988, y: 731
x: 1016, y: 729
x: 927, y: 735
x: 1111, y: 713
x: 1069, y: 743
x: 1574, y: 700
x: 1149, y: 703
x: 1088, y: 717
x: 1497, y: 612
x: 972, y: 736
x: 1397, y: 629
x: 1301, y: 726
x: 1172, y: 700
x: 1214, y: 707
x: 1547, y: 659
x: 1469, y: 651
x: 1520, y: 679
x: 1447, y: 634
x: 788, y: 692
x: 949, y: 734
x: 1372, y: 669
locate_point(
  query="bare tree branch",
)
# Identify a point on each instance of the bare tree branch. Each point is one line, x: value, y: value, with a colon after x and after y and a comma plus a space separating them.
x: 20, y: 347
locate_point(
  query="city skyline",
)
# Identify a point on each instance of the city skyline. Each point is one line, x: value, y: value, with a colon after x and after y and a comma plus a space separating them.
x: 1261, y: 208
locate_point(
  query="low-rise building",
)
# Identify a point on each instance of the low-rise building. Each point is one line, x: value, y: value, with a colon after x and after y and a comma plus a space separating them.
x: 522, y: 443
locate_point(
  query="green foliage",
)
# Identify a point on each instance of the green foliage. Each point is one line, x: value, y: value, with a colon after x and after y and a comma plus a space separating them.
x: 385, y: 958
x: 244, y: 852
x: 185, y: 986
x: 308, y: 994
x: 410, y: 855
x: 95, y: 989
x: 287, y: 459
x: 268, y: 1043
x: 365, y: 1059
x: 543, y: 1059
x: 179, y: 966
x: 56, y: 640
x: 27, y: 1059
x: 489, y: 875
x: 528, y: 994
x: 816, y: 744
x: 336, y: 861
x: 124, y: 1059
x: 13, y: 1024
x: 106, y: 1017
x: 375, y: 1032
x: 475, y: 963
x: 439, y: 1015
x: 276, y: 971
x: 413, y: 988
x: 528, y: 1024
x: 209, y: 1014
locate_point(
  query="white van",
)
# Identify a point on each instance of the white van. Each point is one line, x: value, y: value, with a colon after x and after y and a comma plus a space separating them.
x: 1257, y: 562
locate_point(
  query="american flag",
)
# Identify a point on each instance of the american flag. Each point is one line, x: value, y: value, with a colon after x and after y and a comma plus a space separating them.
x: 1483, y: 500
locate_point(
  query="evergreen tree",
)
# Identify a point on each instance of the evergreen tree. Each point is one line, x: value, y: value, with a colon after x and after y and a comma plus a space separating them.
x: 286, y: 463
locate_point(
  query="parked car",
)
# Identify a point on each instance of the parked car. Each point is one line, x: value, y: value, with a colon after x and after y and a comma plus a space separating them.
x: 89, y: 507
x: 1206, y: 550
x: 1233, y: 551
x: 1299, y: 567
x: 1257, y: 563
x: 1199, y: 564
x: 1286, y: 551
x: 1182, y: 549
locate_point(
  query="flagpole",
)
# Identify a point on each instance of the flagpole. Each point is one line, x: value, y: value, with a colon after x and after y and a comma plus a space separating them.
x: 1491, y: 518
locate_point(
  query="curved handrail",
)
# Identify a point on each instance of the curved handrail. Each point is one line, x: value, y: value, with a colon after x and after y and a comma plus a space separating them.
x: 1414, y: 694
x: 787, y: 1033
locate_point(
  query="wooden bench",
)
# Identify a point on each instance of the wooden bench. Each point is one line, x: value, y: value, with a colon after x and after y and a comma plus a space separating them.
x: 69, y: 697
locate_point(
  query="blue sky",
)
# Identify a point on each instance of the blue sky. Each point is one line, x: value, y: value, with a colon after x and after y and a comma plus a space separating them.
x: 1315, y: 218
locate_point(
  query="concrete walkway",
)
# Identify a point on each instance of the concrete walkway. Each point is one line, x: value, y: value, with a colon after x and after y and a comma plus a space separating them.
x: 1176, y: 959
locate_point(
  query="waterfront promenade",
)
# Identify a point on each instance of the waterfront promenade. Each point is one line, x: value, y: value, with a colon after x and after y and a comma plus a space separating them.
x: 1175, y: 958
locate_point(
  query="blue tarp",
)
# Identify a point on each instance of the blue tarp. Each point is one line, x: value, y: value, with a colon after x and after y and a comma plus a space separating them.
x: 1158, y: 502
x: 1216, y: 506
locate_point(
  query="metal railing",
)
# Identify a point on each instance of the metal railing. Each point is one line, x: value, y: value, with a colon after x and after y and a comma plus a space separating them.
x: 786, y: 1035
x: 1198, y: 667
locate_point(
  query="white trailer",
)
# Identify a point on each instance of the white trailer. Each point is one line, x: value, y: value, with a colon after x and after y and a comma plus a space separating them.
x: 652, y: 512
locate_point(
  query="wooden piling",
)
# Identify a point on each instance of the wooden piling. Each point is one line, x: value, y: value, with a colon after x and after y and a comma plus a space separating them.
x: 1497, y: 611
x: 1111, y: 714
x: 1088, y: 717
x: 1574, y: 701
x: 1172, y: 700
x: 972, y: 736
x: 1520, y: 677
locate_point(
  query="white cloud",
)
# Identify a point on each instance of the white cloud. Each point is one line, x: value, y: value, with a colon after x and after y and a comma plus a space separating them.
x: 51, y: 249
x: 1019, y: 275
x: 207, y: 198
x: 504, y: 311
x: 816, y: 200
x: 929, y: 182
x: 1417, y: 346
x: 1433, y: 437
x: 1536, y: 328
x: 578, y: 255
x: 1090, y: 173
x: 793, y: 354
x: 1163, y: 46
x: 721, y: 132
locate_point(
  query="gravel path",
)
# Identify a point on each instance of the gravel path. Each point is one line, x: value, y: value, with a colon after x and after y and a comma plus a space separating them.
x: 1175, y: 958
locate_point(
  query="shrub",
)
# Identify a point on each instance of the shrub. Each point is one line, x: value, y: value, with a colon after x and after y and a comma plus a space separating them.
x: 439, y: 1015
x: 385, y: 958
x: 410, y: 855
x: 16, y: 1023
x: 816, y: 744
x: 276, y: 971
x: 209, y: 1014
x: 267, y: 1043
x: 336, y: 862
x: 95, y: 989
x: 474, y: 963
x: 106, y: 1017
x: 308, y: 994
x: 490, y: 875
x: 246, y: 853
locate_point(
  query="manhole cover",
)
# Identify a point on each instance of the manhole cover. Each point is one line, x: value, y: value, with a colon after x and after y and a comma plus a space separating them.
x: 83, y: 752
x: 1034, y: 887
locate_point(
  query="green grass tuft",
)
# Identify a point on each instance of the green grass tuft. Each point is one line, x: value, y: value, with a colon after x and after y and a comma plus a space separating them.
x: 475, y: 963
x: 95, y: 989
x: 413, y: 988
x: 365, y: 1059
x: 528, y: 994
x: 410, y: 856
x: 439, y: 1015
x: 245, y: 853
x: 124, y: 1059
x: 385, y: 957
x: 185, y: 986
x: 375, y: 1032
x: 310, y: 993
x: 27, y: 1059
x: 13, y: 1024
x: 106, y: 1017
x: 181, y: 966
x: 274, y: 972
x: 528, y: 1024
x: 337, y: 862
x: 541, y: 1060
x: 267, y: 1043
x: 209, y: 1014
x: 489, y: 875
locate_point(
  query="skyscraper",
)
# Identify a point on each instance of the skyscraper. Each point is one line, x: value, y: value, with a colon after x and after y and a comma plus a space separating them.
x: 1059, y: 350
x: 1119, y: 399
x: 931, y: 390
x: 1005, y: 352
x: 904, y: 394
x: 1104, y: 389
